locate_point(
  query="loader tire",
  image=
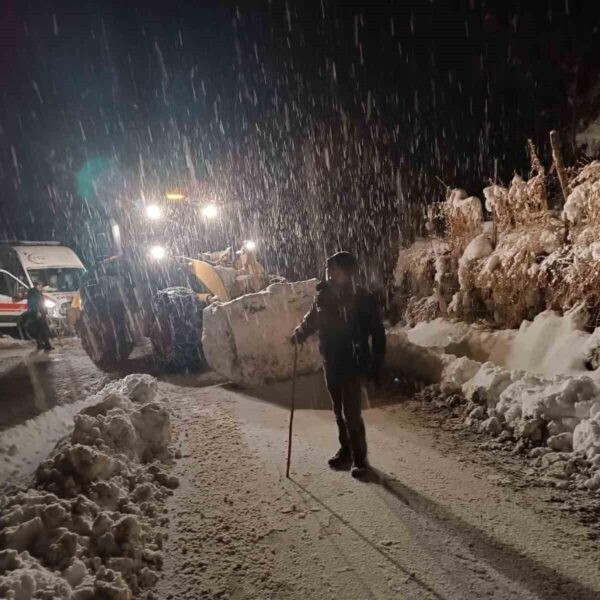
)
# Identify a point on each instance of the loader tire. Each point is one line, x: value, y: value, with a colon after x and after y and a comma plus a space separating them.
x: 102, y: 326
x: 176, y: 329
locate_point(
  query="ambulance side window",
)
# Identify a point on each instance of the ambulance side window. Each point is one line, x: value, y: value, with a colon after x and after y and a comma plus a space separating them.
x: 4, y: 287
x: 14, y: 266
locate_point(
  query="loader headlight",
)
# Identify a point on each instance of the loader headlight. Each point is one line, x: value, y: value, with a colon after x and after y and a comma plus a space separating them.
x: 250, y: 245
x: 153, y: 212
x: 210, y: 211
x: 158, y: 252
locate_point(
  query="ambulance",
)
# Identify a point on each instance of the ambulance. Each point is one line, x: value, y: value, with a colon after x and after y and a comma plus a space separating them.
x: 54, y: 264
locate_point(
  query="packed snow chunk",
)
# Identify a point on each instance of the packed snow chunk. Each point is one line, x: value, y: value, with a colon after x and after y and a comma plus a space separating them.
x: 561, y: 397
x: 456, y: 373
x: 110, y: 401
x: 248, y: 339
x: 138, y: 387
x: 586, y: 437
x: 561, y: 442
x: 25, y: 578
x: 408, y: 359
x: 492, y: 426
x: 153, y: 428
x: 487, y: 384
x: 479, y: 247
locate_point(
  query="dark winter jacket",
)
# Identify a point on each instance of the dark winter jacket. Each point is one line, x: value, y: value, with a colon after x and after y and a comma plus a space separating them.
x: 346, y: 321
x: 35, y: 301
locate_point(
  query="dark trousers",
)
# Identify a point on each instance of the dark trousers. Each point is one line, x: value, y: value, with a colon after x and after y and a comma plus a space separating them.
x: 42, y: 332
x: 345, y: 398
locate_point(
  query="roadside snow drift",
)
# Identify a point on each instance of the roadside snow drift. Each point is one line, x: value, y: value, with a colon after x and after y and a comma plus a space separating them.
x: 247, y: 340
x: 88, y: 528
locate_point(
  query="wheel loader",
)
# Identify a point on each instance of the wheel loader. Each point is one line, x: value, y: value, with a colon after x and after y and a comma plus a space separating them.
x: 123, y: 299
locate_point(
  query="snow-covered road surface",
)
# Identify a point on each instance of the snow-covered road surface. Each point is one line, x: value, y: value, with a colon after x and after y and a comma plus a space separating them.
x: 428, y: 524
x: 32, y: 382
x: 433, y: 522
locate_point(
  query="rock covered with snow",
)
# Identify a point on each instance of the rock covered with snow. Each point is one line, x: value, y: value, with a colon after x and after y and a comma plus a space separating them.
x: 89, y: 527
x: 457, y: 373
x: 248, y: 339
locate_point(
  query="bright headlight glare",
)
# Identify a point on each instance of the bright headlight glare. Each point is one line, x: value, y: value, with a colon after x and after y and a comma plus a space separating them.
x: 210, y: 211
x: 250, y: 245
x: 49, y: 303
x: 153, y: 211
x: 158, y: 252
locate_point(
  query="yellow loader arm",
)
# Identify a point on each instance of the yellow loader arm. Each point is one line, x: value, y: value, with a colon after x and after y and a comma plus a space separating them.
x: 208, y: 275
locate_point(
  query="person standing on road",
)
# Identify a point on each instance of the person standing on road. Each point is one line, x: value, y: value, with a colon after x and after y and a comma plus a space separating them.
x: 346, y: 317
x: 37, y: 309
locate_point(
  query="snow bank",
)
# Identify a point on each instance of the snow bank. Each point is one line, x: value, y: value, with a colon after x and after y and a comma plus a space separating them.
x: 552, y: 344
x: 23, y: 446
x: 462, y: 339
x: 8, y: 343
x: 89, y: 526
x: 247, y: 340
x: 549, y: 345
x: 404, y: 357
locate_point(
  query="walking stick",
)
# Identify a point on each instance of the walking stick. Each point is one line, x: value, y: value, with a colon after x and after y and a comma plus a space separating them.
x: 289, y: 454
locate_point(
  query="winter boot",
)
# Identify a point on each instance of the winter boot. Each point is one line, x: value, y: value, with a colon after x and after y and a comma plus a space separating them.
x: 341, y: 459
x: 359, y: 469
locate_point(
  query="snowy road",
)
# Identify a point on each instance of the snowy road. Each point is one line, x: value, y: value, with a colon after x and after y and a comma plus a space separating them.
x: 429, y: 524
x: 33, y: 382
x: 433, y: 522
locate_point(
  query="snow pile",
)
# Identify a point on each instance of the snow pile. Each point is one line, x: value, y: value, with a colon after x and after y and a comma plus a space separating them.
x: 542, y: 413
x: 247, y: 340
x: 558, y: 419
x: 8, y: 343
x: 553, y: 344
x: 89, y: 526
x: 22, y: 446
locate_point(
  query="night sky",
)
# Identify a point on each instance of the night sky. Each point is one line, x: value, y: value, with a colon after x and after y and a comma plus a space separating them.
x: 319, y: 124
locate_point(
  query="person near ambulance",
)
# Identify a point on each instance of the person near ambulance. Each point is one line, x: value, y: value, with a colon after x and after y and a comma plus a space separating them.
x: 352, y: 346
x: 38, y: 314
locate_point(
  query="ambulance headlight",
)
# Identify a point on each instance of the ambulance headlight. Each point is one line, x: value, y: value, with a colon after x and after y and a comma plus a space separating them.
x: 49, y: 303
